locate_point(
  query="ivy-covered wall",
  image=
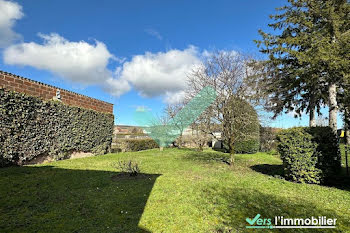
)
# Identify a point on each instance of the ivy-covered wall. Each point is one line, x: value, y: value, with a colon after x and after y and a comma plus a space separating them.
x: 31, y: 127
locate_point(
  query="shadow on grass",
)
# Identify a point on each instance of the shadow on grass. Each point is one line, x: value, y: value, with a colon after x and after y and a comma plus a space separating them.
x: 269, y: 169
x: 233, y: 205
x: 208, y: 156
x: 50, y: 199
x: 340, y: 182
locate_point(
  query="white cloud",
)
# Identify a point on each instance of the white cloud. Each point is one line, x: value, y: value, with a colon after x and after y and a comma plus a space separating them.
x: 154, y: 33
x: 116, y: 87
x: 78, y: 62
x: 162, y: 73
x: 9, y: 13
x: 151, y: 74
x: 174, y: 97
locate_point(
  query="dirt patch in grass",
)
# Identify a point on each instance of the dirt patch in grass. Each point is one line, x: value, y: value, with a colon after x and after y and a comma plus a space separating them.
x: 42, y: 158
x: 80, y: 154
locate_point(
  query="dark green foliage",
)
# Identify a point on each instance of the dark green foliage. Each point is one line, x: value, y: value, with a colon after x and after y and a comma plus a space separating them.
x: 298, y: 153
x: 309, y: 155
x: 134, y: 145
x: 31, y: 127
x: 141, y: 144
x: 329, y: 159
x: 241, y: 127
x: 268, y: 139
x: 247, y: 146
x: 299, y: 70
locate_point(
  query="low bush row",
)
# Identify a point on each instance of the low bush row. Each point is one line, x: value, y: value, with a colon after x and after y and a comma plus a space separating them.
x: 122, y: 145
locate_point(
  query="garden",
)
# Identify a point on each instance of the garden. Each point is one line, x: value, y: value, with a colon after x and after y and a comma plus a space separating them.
x: 177, y: 190
x: 210, y: 162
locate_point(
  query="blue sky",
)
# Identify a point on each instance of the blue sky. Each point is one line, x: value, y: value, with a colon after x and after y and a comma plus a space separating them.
x: 126, y: 52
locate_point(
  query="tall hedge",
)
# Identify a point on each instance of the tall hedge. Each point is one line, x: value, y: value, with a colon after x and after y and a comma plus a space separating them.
x: 309, y: 155
x: 31, y: 127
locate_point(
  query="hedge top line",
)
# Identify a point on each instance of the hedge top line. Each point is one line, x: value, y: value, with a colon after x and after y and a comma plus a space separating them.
x: 107, y: 107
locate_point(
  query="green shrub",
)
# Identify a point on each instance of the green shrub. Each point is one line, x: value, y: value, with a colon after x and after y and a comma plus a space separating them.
x: 309, y: 155
x: 329, y: 156
x: 244, y: 132
x: 134, y: 144
x: 268, y: 139
x: 297, y: 152
x: 247, y: 147
x: 130, y: 167
x: 31, y: 127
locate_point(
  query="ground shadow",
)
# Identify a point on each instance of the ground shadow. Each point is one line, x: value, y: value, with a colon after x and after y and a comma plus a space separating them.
x: 234, y: 205
x: 269, y: 169
x: 341, y: 181
x: 49, y: 199
x: 208, y: 156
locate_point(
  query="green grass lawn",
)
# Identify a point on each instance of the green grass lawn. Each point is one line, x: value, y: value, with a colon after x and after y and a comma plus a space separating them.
x: 179, y: 191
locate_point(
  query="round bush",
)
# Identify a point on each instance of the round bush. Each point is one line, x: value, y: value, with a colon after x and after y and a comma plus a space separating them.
x: 246, y: 127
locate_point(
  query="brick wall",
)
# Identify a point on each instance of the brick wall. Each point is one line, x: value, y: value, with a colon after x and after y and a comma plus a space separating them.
x: 48, y: 92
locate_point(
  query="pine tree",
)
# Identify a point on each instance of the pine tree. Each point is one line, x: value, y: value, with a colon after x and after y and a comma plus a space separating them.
x: 305, y: 57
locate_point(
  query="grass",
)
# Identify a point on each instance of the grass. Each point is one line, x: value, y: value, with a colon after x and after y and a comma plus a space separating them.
x: 179, y: 191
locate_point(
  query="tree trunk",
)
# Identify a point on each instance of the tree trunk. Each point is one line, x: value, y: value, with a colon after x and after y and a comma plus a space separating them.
x: 346, y: 127
x: 312, y: 122
x: 333, y: 107
x: 232, y: 158
x: 232, y: 154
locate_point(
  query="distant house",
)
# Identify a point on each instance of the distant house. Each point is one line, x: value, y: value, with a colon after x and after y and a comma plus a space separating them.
x: 122, y: 129
x: 129, y: 131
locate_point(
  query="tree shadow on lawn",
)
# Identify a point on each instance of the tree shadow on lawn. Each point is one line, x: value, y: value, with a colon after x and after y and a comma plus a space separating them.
x: 233, y: 205
x: 275, y: 170
x: 208, y: 156
x: 51, y: 199
x: 340, y: 182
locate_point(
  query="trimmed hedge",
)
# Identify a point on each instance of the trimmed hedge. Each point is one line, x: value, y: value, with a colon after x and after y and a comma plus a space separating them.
x: 309, y: 155
x: 31, y: 127
x: 298, y: 153
x: 134, y: 145
x: 250, y: 142
x: 329, y: 157
x: 247, y: 147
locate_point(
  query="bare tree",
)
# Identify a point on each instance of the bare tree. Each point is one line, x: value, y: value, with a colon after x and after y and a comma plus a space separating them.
x: 230, y: 74
x: 225, y: 72
x: 171, y: 111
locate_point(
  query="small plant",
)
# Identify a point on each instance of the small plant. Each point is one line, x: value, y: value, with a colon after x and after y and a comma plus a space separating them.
x: 130, y: 167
